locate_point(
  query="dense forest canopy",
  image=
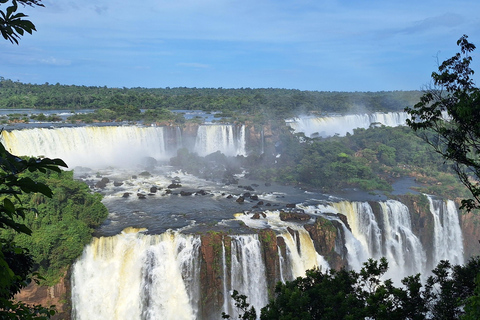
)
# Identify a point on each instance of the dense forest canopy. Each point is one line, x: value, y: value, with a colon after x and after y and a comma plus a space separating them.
x: 274, y: 102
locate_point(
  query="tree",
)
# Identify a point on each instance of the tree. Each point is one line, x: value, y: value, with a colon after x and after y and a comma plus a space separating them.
x: 14, y: 24
x: 448, y: 118
x: 449, y: 293
x: 16, y: 262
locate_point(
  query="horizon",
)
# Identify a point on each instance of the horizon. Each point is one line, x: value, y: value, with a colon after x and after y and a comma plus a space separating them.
x: 326, y: 46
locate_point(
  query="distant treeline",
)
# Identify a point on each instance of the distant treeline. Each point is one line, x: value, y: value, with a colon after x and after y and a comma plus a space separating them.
x: 269, y: 101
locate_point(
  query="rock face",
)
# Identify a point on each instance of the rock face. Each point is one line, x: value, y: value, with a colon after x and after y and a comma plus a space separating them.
x: 212, y: 272
x: 324, y: 235
x: 58, y: 295
x: 470, y: 224
x: 268, y: 239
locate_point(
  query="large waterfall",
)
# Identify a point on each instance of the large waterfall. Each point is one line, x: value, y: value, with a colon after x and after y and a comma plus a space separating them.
x: 188, y: 273
x: 125, y: 146
x: 137, y: 276
x: 341, y: 125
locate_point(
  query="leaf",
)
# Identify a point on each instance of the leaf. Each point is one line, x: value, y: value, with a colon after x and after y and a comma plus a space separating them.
x: 8, y: 205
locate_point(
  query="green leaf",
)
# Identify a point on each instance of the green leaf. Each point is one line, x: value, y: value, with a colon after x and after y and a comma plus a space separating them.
x: 8, y: 205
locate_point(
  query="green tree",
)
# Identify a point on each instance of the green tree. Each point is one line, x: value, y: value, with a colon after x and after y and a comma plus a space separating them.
x: 15, y: 261
x: 450, y: 293
x: 448, y: 118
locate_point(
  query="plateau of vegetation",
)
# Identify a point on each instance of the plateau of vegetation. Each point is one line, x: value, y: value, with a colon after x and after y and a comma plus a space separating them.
x: 370, y: 159
x: 260, y: 105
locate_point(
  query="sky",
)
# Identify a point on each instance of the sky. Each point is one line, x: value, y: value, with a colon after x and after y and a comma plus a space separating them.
x: 322, y: 45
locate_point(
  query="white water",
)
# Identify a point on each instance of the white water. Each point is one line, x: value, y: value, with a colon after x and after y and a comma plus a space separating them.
x: 135, y: 276
x: 447, y: 240
x: 100, y: 147
x: 341, y: 125
x: 90, y: 146
x: 223, y: 138
x: 248, y: 275
x: 132, y: 276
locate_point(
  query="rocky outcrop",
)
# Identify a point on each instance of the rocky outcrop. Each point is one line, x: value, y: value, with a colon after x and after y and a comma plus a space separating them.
x: 324, y: 235
x: 294, y: 216
x: 211, y: 277
x: 470, y: 224
x: 268, y: 239
x: 57, y: 295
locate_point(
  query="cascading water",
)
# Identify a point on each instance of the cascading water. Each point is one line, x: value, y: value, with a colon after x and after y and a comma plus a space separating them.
x: 388, y: 234
x: 248, y: 270
x: 100, y: 147
x: 447, y: 237
x: 341, y: 125
x: 228, y: 139
x: 91, y: 146
x: 134, y: 276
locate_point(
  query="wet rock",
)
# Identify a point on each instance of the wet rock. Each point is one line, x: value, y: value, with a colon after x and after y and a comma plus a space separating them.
x: 117, y: 183
x: 174, y: 185
x: 290, y: 205
x: 168, y: 191
x: 141, y: 196
x: 258, y: 215
x: 268, y: 204
x: 229, y: 196
x: 134, y: 177
x: 240, y: 199
x: 246, y: 194
x: 294, y: 216
x: 248, y: 188
x: 324, y: 236
x: 153, y: 189
x: 254, y: 197
x: 145, y: 174
x: 201, y: 193
x: 126, y: 195
x: 102, y: 183
x: 185, y: 193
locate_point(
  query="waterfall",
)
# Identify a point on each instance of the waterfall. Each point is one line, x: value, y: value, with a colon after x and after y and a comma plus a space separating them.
x: 228, y: 139
x: 134, y: 276
x: 301, y: 253
x: 100, y: 147
x: 403, y: 249
x: 248, y: 275
x: 388, y: 235
x: 341, y: 125
x: 91, y: 146
x: 447, y: 235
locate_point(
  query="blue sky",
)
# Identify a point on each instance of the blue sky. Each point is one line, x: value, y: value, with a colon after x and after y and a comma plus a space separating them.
x: 369, y: 45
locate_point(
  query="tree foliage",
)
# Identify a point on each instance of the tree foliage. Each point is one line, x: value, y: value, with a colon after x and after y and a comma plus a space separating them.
x: 448, y: 118
x: 237, y: 104
x: 449, y: 293
x: 14, y: 24
x: 15, y: 261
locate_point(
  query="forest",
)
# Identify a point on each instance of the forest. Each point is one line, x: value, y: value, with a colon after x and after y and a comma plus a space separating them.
x: 262, y: 104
